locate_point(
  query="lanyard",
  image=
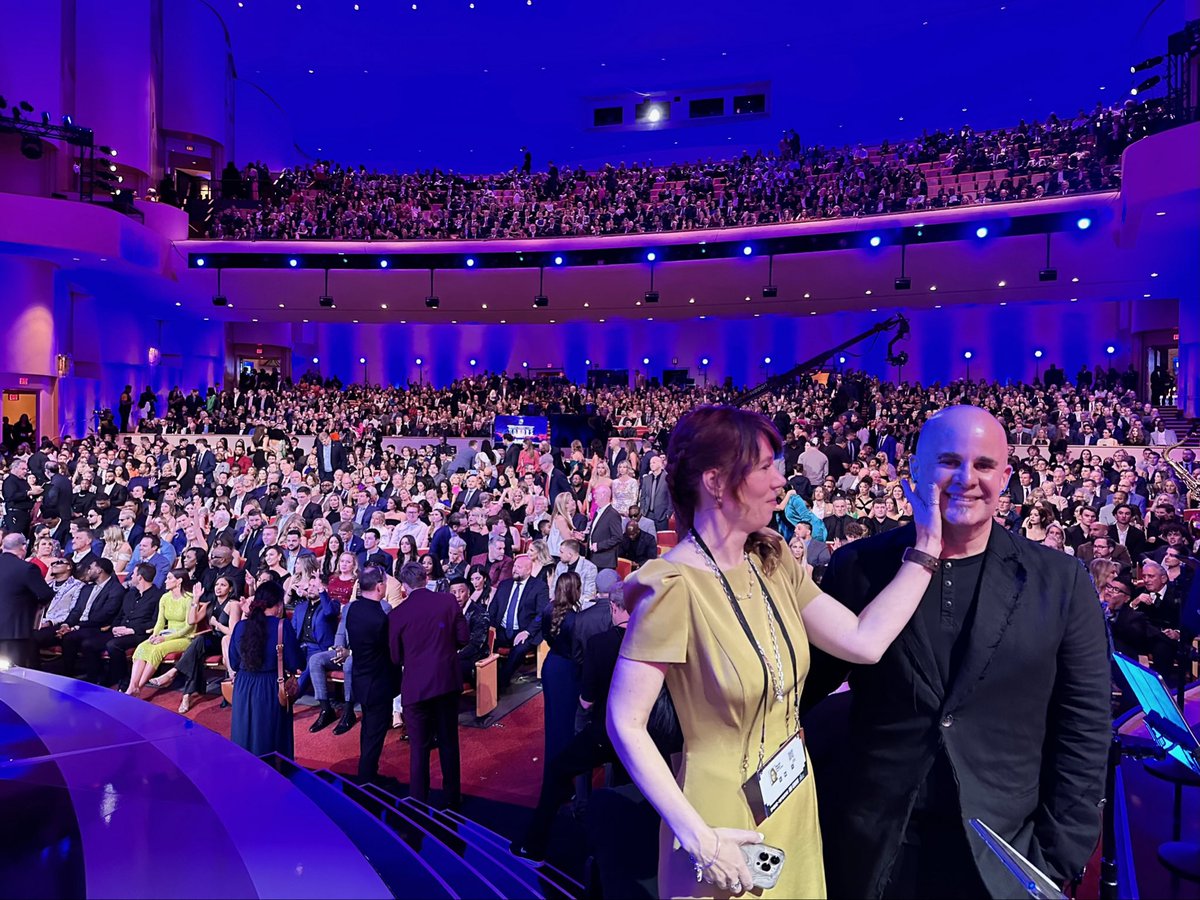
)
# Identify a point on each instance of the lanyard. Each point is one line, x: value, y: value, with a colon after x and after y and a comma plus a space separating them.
x: 758, y: 650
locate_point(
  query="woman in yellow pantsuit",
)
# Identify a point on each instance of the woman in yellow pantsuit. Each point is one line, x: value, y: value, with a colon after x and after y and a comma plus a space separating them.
x: 171, y: 634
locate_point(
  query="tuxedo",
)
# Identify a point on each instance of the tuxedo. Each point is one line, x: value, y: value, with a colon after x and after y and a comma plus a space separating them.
x: 606, y: 533
x: 1134, y: 633
x: 1035, y: 652
x: 655, y: 500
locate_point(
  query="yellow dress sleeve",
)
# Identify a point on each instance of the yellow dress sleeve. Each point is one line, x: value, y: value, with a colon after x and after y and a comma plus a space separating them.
x: 799, y: 584
x: 659, y: 625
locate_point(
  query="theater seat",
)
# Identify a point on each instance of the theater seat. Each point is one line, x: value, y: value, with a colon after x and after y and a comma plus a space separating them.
x: 624, y: 567
x: 668, y: 538
x: 487, y: 685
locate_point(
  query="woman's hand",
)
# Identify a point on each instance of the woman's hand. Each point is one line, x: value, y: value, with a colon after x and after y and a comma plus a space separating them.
x: 721, y: 861
x: 925, y: 500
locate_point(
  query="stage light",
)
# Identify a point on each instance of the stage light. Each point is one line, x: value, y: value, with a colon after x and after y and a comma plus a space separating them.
x: 383, y: 264
x: 967, y: 354
x: 655, y: 114
x: 747, y: 250
x: 1084, y: 223
x: 1001, y: 283
x: 645, y: 360
x: 220, y: 300
x: 1145, y: 85
x: 1110, y: 349
x: 704, y: 362
x: 651, y: 256
x: 1145, y: 64
x: 362, y: 360
x: 106, y: 150
x: 200, y: 261
x: 293, y: 262
x: 651, y: 296
x: 558, y: 260
x: 981, y: 231
x: 902, y: 284
x: 766, y: 360
x: 1037, y: 354
x: 69, y: 121
x: 432, y: 302
x: 472, y: 362
x: 316, y: 359
x: 525, y: 365
x: 541, y: 301
x: 470, y: 262
x: 876, y: 240
x: 31, y: 147
x: 842, y: 360
x: 326, y: 302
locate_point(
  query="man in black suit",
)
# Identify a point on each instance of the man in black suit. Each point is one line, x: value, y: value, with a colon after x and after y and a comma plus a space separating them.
x: 512, y: 453
x: 331, y: 457
x: 1007, y: 631
x: 309, y: 510
x: 606, y: 533
x: 56, y: 503
x: 654, y: 498
x: 376, y: 677
x: 139, y: 612
x: 516, y: 614
x: 371, y: 555
x: 250, y: 540
x: 23, y: 591
x: 1134, y: 634
x: 424, y: 634
x: 476, y: 615
x: 18, y: 498
x: 556, y: 477
x: 206, y: 460
x: 469, y: 497
x: 1127, y: 534
x: 90, y: 620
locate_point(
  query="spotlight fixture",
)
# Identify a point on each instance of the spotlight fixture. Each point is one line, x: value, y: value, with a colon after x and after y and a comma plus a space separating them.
x: 470, y: 262
x: 31, y: 147
x: 1048, y: 275
x: 293, y: 262
x: 432, y: 301
x: 1145, y: 85
x: 558, y: 260
x: 770, y: 292
x: 1145, y: 64
x: 651, y: 296
x: 747, y: 250
x: 903, y: 283
x: 981, y: 231
x: 325, y: 300
x: 651, y: 256
x: 875, y: 241
x: 541, y: 301
x: 1084, y: 223
x: 1110, y: 349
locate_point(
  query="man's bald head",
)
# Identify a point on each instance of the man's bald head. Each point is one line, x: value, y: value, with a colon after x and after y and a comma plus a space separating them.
x: 964, y: 450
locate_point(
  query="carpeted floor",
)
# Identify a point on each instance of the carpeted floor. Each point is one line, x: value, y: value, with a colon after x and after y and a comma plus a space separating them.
x: 500, y: 763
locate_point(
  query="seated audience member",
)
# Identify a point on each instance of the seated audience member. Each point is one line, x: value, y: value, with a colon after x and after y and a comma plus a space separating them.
x: 1100, y: 546
x: 836, y: 522
x: 515, y: 613
x: 570, y: 560
x: 172, y: 631
x: 1134, y: 634
x: 1006, y: 517
x: 877, y: 521
x: 135, y: 623
x: 499, y: 566
x: 413, y: 527
x: 1079, y: 533
x: 477, y: 624
x: 66, y: 589
x: 87, y: 627
x: 371, y: 554
x: 1158, y: 600
x: 326, y: 660
x: 645, y: 523
x: 314, y: 623
x: 637, y: 546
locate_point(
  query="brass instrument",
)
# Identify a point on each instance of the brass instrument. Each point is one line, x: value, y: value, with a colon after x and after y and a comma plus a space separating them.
x: 1191, y: 484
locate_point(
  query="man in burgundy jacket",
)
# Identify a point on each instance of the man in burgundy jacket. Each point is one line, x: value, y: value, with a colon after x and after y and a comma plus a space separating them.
x: 424, y: 634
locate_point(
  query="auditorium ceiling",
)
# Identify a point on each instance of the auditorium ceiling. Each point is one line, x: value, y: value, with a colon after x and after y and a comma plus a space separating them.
x: 466, y: 84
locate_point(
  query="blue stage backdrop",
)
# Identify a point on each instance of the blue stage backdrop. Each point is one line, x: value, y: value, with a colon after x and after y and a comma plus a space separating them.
x: 535, y: 428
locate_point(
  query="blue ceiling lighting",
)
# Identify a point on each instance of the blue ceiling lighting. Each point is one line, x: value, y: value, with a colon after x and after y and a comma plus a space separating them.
x: 558, y: 260
x: 200, y: 261
x: 651, y: 256
x: 1084, y: 223
x: 293, y: 262
x: 981, y: 231
x: 747, y: 250
x: 470, y: 262
x: 876, y: 240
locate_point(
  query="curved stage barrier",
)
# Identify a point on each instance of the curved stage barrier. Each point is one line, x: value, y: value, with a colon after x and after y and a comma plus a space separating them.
x: 108, y: 796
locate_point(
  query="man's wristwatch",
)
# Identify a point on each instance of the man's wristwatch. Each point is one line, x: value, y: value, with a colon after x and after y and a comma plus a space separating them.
x: 922, y: 559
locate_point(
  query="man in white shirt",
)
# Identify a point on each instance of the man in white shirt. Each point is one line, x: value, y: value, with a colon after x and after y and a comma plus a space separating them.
x: 412, y: 525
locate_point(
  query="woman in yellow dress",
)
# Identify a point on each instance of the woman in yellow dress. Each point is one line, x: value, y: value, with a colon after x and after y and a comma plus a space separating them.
x: 171, y: 633
x: 725, y: 619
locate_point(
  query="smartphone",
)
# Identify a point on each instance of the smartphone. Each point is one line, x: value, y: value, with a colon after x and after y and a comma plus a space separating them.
x: 765, y: 863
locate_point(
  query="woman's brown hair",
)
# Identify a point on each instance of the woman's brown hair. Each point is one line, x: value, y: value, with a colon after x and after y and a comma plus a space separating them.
x: 724, y: 438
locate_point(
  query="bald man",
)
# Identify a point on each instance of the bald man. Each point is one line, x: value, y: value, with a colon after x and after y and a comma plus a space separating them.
x: 993, y: 703
x: 23, y: 591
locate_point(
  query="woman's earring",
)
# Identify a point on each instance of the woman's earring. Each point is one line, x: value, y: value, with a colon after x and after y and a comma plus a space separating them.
x: 720, y: 501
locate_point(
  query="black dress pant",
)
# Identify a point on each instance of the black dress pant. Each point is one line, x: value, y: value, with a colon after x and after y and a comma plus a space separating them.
x: 935, y: 862
x: 46, y: 637
x: 516, y: 656
x: 376, y: 722
x: 427, y: 719
x: 587, y: 750
x: 89, y: 643
x: 191, y: 663
x: 118, y: 662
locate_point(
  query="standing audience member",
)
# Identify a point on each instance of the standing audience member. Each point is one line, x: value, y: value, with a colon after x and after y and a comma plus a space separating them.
x: 376, y: 674
x: 261, y: 724
x: 23, y: 592
x: 424, y: 634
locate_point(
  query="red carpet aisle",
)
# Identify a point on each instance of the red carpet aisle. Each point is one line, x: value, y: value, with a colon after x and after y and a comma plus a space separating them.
x: 502, y: 763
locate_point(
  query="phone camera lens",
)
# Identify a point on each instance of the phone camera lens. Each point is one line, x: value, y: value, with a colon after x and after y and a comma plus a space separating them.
x: 774, y: 860
x: 763, y: 856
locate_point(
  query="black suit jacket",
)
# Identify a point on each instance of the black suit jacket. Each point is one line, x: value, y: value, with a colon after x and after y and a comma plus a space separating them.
x: 337, y: 458
x: 1135, y: 541
x: 534, y: 598
x: 376, y: 677
x: 606, y: 534
x: 22, y: 591
x: 139, y: 611
x: 104, y: 610
x: 475, y: 648
x: 424, y: 634
x: 56, y: 502
x: 1025, y: 726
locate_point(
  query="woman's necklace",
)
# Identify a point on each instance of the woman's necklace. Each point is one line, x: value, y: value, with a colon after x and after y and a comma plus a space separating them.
x: 775, y: 671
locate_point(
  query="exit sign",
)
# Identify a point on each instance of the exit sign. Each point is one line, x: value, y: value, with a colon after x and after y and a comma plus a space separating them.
x: 13, y: 398
x: 23, y: 380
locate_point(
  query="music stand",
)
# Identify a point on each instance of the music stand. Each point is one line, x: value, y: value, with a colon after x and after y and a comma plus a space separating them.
x: 1034, y: 882
x: 1171, y: 732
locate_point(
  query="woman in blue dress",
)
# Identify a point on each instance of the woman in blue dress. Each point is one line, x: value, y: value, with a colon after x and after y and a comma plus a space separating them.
x: 560, y: 674
x: 260, y: 724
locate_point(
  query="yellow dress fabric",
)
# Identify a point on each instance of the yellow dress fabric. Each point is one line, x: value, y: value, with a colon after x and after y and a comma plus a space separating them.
x: 683, y: 617
x: 172, y: 616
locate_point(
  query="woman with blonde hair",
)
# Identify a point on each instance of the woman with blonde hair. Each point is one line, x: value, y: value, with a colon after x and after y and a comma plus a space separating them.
x: 562, y: 523
x: 116, y: 548
x: 543, y: 562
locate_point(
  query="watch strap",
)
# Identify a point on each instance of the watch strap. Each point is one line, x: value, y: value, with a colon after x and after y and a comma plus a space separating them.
x: 921, y: 558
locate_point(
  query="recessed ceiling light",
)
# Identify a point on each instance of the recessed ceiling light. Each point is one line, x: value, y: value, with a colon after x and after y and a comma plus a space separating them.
x: 868, y: 294
x: 874, y: 309
x: 586, y: 305
x: 1001, y: 283
x: 1161, y: 212
x: 281, y: 306
x: 937, y: 306
x: 254, y: 320
x: 1075, y: 280
x: 1145, y: 295
x: 1004, y: 303
x: 692, y: 300
x: 454, y: 321
x: 1074, y: 299
x: 484, y: 306
x: 177, y: 303
x: 76, y: 258
x: 933, y: 287
x: 206, y: 318
x: 306, y: 321
x: 704, y: 317
x: 756, y: 315
x: 639, y: 303
x: 807, y: 295
x: 1153, y: 274
x: 383, y: 306
x: 552, y: 321
x: 601, y: 320
x: 813, y: 313
x: 355, y: 321
x: 747, y: 299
